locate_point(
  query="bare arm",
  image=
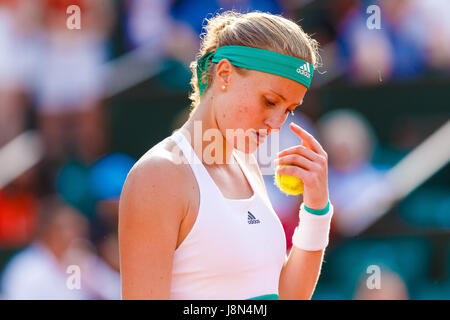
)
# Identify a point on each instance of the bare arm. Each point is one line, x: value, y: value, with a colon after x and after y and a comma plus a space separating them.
x: 150, y: 213
x: 299, y: 274
x: 301, y: 270
x: 308, y: 162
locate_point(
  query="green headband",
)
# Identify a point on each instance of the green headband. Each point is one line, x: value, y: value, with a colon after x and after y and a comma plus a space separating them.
x: 257, y: 59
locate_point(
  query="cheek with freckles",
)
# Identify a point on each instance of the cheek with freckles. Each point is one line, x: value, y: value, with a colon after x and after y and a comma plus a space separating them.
x: 244, y: 117
x: 241, y: 108
x: 237, y: 113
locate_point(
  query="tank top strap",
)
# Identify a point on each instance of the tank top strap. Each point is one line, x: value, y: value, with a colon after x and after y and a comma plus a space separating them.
x: 204, y: 180
x: 256, y: 186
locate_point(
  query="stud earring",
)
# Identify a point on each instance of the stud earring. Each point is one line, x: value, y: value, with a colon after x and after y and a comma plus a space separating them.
x: 223, y: 87
x: 292, y: 112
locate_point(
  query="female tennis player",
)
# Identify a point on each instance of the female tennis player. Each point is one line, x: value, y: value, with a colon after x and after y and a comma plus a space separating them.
x: 203, y: 227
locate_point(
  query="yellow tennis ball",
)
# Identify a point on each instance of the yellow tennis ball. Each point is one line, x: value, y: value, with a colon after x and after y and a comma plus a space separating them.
x: 289, y: 184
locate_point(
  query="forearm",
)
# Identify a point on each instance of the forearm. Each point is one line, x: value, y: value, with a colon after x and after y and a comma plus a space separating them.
x: 300, y: 274
x: 308, y: 162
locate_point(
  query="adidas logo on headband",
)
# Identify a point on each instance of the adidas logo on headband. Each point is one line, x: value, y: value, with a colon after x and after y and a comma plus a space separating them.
x: 304, y: 70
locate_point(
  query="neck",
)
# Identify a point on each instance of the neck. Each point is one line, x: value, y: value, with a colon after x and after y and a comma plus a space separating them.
x: 207, y: 139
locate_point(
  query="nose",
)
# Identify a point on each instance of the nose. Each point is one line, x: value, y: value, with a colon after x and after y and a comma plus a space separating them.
x: 275, y: 121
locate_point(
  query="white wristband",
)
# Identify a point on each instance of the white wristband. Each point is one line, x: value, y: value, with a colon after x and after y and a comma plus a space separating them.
x: 313, y: 230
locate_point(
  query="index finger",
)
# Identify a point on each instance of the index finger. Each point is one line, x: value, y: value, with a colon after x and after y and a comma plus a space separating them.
x: 307, y: 139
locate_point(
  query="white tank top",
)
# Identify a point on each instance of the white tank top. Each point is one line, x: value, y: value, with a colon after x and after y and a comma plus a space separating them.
x: 236, y: 247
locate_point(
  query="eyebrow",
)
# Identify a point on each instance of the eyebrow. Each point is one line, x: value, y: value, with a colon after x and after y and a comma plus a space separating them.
x: 284, y: 99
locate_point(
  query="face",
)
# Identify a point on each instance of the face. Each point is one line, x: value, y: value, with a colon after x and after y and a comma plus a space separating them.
x: 253, y: 104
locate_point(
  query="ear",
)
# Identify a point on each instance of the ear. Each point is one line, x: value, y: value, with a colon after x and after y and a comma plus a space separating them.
x: 224, y: 71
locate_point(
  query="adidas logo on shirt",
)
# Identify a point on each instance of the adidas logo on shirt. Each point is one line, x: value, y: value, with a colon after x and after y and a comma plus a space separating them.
x: 305, y: 70
x: 252, y: 219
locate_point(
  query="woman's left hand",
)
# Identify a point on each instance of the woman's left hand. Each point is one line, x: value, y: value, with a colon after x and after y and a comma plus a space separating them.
x: 309, y: 162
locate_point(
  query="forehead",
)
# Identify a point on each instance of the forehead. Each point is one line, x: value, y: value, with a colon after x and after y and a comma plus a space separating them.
x: 290, y: 89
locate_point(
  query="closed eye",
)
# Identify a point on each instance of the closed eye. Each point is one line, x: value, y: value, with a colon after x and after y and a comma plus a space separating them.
x: 269, y: 102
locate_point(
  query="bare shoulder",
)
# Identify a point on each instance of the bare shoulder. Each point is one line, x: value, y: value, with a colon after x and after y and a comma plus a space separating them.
x: 158, y: 178
x: 151, y: 209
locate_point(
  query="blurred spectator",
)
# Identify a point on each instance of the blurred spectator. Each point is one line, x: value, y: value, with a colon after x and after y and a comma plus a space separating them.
x: 69, y: 111
x: 95, y: 191
x: 437, y: 25
x: 349, y: 141
x: 392, y: 287
x: 193, y: 12
x: 20, y: 53
x: 161, y: 46
x: 106, y: 178
x: 40, y: 270
x: 396, y: 50
x: 148, y: 23
x: 83, y: 186
x: 427, y: 21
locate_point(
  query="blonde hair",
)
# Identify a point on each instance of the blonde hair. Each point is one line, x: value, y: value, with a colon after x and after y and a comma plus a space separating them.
x: 253, y: 29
